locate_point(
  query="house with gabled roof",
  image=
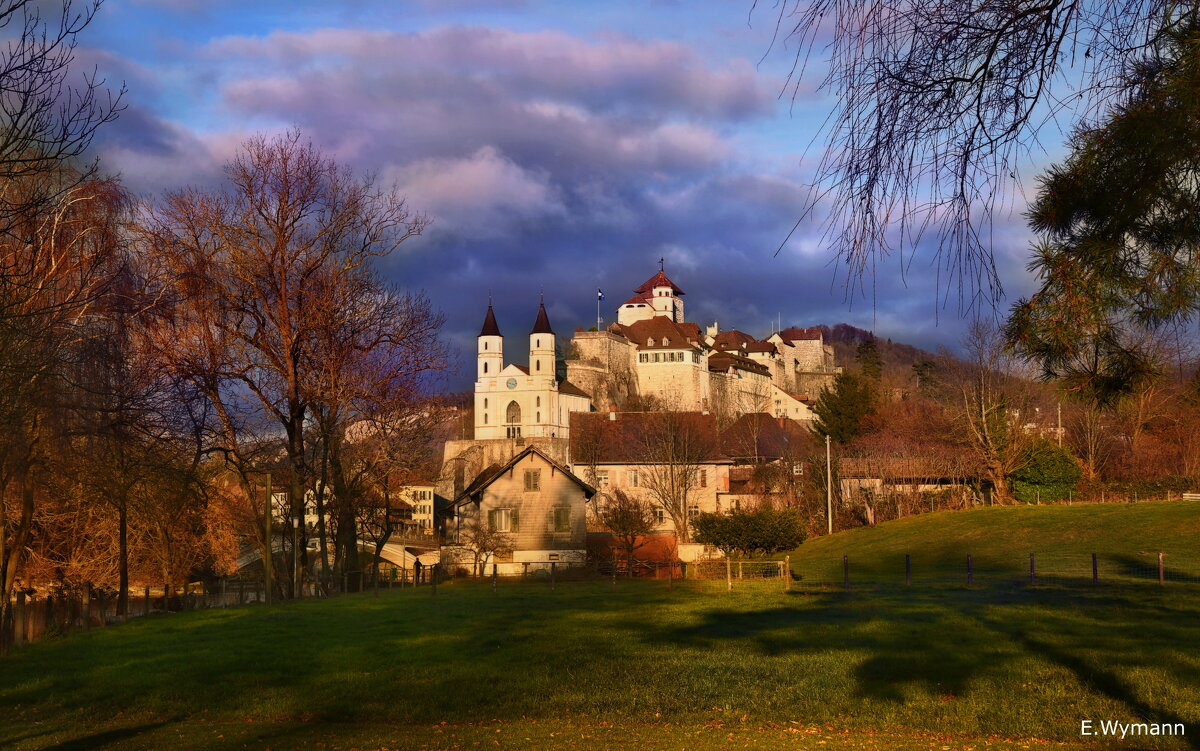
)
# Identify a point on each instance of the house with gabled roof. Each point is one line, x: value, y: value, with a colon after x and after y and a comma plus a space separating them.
x: 531, y: 509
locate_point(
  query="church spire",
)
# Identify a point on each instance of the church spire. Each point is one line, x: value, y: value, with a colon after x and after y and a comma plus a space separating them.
x: 542, y: 324
x: 489, y: 323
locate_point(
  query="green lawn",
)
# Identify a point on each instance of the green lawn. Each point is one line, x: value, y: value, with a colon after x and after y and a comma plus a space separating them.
x: 694, y: 667
x: 1126, y: 538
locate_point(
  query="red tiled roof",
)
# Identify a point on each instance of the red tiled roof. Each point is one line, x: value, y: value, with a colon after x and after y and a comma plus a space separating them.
x: 792, y: 334
x: 763, y: 437
x: 723, y: 361
x: 655, y: 330
x: 632, y: 436
x: 641, y: 298
x: 732, y: 339
x: 658, y: 280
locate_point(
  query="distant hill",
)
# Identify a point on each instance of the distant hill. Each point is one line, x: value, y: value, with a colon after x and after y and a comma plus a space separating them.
x: 898, y: 358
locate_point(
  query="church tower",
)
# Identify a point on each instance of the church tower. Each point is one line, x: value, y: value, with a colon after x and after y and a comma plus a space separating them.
x: 541, y: 346
x: 491, y: 347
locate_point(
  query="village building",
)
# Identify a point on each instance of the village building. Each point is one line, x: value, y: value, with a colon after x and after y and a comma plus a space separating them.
x: 522, y: 516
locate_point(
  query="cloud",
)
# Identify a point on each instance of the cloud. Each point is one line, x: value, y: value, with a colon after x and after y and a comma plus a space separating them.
x: 481, y: 196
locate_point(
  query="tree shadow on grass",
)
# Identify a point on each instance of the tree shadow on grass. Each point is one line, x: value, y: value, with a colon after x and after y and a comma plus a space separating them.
x: 106, y: 737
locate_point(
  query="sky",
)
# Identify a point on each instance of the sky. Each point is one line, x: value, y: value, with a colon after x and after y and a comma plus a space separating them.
x: 559, y: 148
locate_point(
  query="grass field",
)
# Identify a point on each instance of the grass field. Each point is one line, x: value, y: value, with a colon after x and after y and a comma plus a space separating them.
x: 1126, y: 538
x: 693, y: 667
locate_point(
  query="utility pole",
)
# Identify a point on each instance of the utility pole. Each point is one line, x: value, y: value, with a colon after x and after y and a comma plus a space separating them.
x: 269, y: 552
x: 828, y: 486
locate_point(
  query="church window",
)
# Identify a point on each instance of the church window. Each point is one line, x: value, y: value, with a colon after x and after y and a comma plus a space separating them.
x: 485, y: 402
x: 485, y: 367
x: 485, y: 418
x: 485, y: 345
x: 537, y: 365
x: 539, y: 417
x: 539, y: 401
x: 513, y: 413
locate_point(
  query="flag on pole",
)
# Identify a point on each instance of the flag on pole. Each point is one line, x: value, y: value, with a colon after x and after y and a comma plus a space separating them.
x: 599, y: 294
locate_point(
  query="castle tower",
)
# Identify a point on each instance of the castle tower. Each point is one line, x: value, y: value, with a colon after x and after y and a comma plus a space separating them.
x: 657, y: 296
x: 541, y: 346
x: 491, y: 347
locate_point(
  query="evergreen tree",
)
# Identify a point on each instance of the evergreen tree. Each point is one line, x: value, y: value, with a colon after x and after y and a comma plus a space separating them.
x: 841, y: 411
x: 1120, y: 225
x: 869, y: 361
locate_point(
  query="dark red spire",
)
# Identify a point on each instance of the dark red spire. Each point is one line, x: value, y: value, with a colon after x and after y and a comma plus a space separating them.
x: 489, y: 324
x: 542, y: 324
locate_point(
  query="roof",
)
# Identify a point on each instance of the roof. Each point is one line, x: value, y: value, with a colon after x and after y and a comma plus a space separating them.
x: 542, y: 324
x: 760, y: 436
x: 630, y: 437
x: 566, y: 387
x: 792, y: 334
x: 927, y: 467
x: 494, y: 471
x: 651, y: 333
x: 722, y: 361
x: 489, y: 324
x: 658, y: 280
x: 641, y: 298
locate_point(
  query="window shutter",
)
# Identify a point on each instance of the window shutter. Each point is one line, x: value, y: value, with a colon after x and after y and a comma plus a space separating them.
x: 514, y: 521
x: 492, y: 520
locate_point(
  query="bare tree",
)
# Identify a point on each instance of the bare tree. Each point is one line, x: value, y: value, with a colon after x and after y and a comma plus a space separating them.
x: 630, y: 519
x: 484, y: 543
x: 262, y: 277
x: 939, y: 103
x: 673, y: 446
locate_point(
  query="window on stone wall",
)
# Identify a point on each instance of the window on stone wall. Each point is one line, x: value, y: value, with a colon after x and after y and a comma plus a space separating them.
x: 632, y: 478
x: 693, y: 511
x: 660, y: 516
x: 602, y: 478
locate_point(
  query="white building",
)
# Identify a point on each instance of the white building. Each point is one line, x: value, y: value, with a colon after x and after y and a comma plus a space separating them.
x: 522, y: 401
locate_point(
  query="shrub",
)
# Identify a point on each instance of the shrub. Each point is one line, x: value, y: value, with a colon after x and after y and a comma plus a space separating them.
x: 1049, y: 473
x: 762, y: 531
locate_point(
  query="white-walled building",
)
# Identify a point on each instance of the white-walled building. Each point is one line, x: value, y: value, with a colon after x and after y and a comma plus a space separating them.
x: 522, y: 401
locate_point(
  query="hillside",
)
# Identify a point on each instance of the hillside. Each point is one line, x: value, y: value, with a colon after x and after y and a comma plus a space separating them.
x: 1126, y: 538
x: 898, y: 358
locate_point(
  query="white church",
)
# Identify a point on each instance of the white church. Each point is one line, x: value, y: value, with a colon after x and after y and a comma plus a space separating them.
x: 522, y: 401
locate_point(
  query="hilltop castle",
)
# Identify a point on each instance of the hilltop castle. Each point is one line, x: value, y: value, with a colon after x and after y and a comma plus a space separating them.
x: 651, y: 352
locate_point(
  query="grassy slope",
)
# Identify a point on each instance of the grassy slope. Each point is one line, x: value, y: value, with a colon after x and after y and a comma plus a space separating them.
x: 692, y: 668
x: 1126, y: 537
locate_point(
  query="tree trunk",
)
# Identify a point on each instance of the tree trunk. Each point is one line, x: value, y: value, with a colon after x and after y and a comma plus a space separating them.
x: 123, y: 563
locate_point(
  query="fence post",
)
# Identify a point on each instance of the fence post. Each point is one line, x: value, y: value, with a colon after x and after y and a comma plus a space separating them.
x: 1095, y: 570
x: 907, y: 570
x: 20, y: 625
x: 100, y: 601
x: 787, y: 573
x: 433, y: 577
x: 740, y: 570
x: 1161, y: 579
x: 553, y: 572
x: 670, y: 574
x: 846, y: 571
x: 728, y: 575
x: 87, y: 607
x: 146, y: 604
x: 1032, y: 571
x: 614, y: 570
x: 970, y: 571
x: 493, y: 578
